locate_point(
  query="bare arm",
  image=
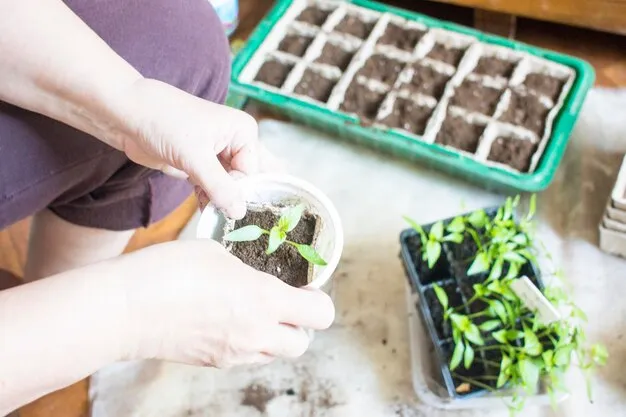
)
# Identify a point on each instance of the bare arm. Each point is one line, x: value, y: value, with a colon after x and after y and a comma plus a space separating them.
x: 57, y: 331
x: 54, y: 64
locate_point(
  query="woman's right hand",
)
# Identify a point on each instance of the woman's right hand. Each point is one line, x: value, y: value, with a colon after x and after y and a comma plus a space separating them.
x: 193, y: 302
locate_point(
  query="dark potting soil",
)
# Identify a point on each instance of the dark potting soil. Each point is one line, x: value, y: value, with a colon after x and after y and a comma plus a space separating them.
x: 336, y: 56
x: 257, y: 396
x: 408, y: 115
x: 286, y: 263
x: 451, y: 56
x: 355, y: 26
x: 362, y: 101
x: 444, y: 330
x: 427, y: 81
x: 440, y: 270
x: 314, y: 16
x: 475, y: 371
x: 274, y: 73
x: 474, y: 96
x: 516, y: 153
x: 465, y: 251
x: 382, y: 68
x: 295, y: 44
x: 494, y: 67
x: 315, y: 85
x: 545, y: 85
x: 401, y: 38
x: 459, y: 133
x: 527, y: 111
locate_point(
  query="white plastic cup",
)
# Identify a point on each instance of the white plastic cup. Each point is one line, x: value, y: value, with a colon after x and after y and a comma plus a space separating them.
x: 280, y: 189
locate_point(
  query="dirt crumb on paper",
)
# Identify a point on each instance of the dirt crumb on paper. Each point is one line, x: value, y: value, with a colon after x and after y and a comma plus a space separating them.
x: 258, y: 396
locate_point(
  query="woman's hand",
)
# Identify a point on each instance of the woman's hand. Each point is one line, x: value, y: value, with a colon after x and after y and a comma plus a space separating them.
x: 193, y: 302
x: 192, y: 137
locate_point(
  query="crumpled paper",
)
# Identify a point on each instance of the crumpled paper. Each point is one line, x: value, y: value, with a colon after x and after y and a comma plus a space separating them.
x: 360, y: 367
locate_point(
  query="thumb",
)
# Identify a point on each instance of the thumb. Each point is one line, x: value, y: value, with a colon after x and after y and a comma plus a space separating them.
x: 221, y: 189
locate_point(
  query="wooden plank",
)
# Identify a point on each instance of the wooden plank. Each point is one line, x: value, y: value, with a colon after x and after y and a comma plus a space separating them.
x: 603, y: 15
x: 501, y: 24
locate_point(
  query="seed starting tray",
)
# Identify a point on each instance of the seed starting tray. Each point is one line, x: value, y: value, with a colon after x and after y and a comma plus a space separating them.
x: 498, y: 111
x: 449, y: 273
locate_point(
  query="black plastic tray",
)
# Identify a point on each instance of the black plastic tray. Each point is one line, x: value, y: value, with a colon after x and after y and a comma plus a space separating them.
x: 446, y: 275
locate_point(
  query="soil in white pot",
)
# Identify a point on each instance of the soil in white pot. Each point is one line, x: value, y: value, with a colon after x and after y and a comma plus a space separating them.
x: 286, y: 263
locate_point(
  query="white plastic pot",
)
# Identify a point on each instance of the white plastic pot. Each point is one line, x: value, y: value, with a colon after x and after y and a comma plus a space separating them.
x: 280, y: 189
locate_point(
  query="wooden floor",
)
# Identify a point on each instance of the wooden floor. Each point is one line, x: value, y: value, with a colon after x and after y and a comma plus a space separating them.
x: 605, y: 52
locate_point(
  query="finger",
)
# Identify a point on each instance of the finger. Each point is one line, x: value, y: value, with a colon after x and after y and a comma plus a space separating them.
x: 221, y: 189
x: 286, y: 341
x: 304, y: 307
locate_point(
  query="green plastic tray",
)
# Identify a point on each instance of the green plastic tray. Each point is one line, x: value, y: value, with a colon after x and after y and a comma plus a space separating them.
x: 344, y: 126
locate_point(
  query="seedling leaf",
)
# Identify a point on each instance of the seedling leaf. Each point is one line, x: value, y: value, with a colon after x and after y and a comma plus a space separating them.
x: 436, y: 232
x: 489, y: 325
x: 245, y: 234
x: 532, y: 207
x: 562, y: 356
x: 291, y: 217
x: 417, y: 228
x: 473, y: 335
x: 310, y: 254
x: 457, y: 356
x: 454, y: 237
x: 496, y: 270
x: 457, y: 225
x: 531, y: 343
x: 514, y: 257
x: 277, y: 237
x: 478, y: 219
x: 433, y: 251
x: 480, y: 264
x: 529, y: 371
x: 468, y: 357
x: 500, y: 336
x: 441, y: 296
x: 497, y: 309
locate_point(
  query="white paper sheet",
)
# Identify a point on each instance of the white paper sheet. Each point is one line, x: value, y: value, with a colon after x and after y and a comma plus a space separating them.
x: 361, y: 366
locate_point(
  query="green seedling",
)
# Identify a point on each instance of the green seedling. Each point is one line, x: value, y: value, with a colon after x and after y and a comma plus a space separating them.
x: 432, y: 241
x: 277, y: 235
x: 525, y: 349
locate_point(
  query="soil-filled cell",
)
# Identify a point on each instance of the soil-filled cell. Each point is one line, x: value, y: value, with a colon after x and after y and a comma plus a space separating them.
x: 526, y: 110
x: 514, y: 152
x: 382, y: 68
x: 476, y: 97
x: 459, y: 133
x: 274, y: 73
x: 494, y: 67
x: 449, y: 55
x: 408, y: 115
x: 402, y: 38
x: 545, y: 85
x: 314, y: 16
x: 295, y: 44
x: 427, y: 81
x: 355, y: 26
x: 335, y: 56
x: 444, y: 330
x: 362, y: 101
x: 315, y: 85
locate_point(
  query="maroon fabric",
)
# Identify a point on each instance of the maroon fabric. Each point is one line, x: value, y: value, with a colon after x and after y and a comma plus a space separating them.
x: 44, y: 163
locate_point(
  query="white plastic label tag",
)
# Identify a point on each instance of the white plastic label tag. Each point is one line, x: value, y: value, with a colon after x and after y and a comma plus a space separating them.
x: 535, y: 300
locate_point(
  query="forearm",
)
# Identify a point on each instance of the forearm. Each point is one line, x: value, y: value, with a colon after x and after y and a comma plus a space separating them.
x: 57, y: 331
x: 52, y: 63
